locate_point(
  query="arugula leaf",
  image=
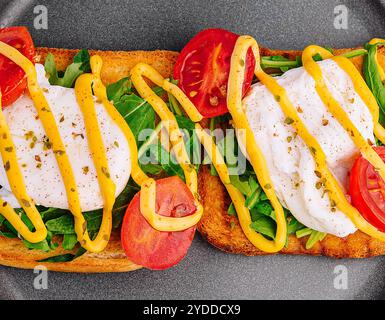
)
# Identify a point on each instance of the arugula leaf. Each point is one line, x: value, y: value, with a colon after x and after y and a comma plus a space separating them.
x: 185, y: 123
x: 373, y: 78
x: 51, y: 213
x: 116, y: 90
x: 265, y: 226
x: 293, y: 225
x: 122, y: 202
x: 138, y: 114
x: 61, y: 258
x: 231, y: 210
x: 68, y: 257
x: 45, y: 245
x: 284, y: 64
x: 241, y: 184
x: 69, y: 241
x: 65, y: 224
x: 173, y: 103
x: 193, y: 148
x: 80, y: 65
x: 166, y: 160
x: 264, y: 208
x: 280, y: 62
x: 315, y: 237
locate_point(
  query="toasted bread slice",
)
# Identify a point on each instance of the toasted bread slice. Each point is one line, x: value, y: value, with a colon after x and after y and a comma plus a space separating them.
x: 224, y: 232
x: 116, y: 65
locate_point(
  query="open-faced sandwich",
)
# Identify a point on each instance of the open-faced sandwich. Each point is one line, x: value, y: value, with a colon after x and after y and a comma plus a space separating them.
x: 111, y: 160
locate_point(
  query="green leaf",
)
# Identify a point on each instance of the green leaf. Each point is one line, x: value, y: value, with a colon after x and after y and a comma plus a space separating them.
x: 373, y: 78
x: 285, y: 64
x: 231, y: 210
x: 256, y: 190
x: 45, y: 245
x: 69, y: 241
x: 61, y: 258
x: 83, y: 57
x: 242, y: 185
x: 138, y: 114
x: 65, y: 224
x: 50, y: 69
x: 116, y: 90
x: 65, y: 257
x: 293, y: 225
x: 185, y: 123
x: 303, y: 232
x: 265, y: 226
x: 41, y: 246
x: 122, y: 202
x: 153, y: 169
x: 317, y: 57
x: 193, y: 148
x: 9, y: 235
x: 315, y: 236
x: 265, y: 208
x: 173, y: 103
x: 163, y: 158
x: 80, y: 65
x: 52, y: 213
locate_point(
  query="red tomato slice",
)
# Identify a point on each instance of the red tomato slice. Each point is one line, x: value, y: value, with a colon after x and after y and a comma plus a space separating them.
x: 148, y: 247
x: 367, y: 191
x: 13, y: 80
x: 203, y: 67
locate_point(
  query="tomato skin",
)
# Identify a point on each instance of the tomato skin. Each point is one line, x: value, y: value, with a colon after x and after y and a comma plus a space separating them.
x: 203, y: 68
x: 13, y: 81
x: 148, y: 247
x: 367, y: 191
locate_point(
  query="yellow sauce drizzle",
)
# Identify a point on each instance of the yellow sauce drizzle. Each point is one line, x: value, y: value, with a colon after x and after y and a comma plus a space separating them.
x: 16, y: 181
x: 148, y: 192
x: 236, y: 196
x: 157, y: 221
x: 234, y: 103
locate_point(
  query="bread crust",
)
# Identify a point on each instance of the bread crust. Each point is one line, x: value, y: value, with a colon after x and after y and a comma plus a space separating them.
x: 216, y: 226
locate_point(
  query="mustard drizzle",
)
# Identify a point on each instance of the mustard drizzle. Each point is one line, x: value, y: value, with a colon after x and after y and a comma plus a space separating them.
x: 148, y: 190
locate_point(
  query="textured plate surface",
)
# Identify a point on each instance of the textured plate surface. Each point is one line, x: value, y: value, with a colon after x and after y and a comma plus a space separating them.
x: 205, y: 273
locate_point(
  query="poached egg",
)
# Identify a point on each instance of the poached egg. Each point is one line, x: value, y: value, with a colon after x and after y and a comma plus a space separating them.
x: 36, y: 158
x: 289, y: 160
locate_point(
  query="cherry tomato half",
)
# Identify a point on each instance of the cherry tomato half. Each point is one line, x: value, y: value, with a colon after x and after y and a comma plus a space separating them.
x: 148, y: 247
x: 367, y: 191
x: 203, y: 67
x: 13, y: 80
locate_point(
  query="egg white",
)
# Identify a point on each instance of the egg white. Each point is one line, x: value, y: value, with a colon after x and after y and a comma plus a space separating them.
x: 290, y: 163
x: 38, y: 164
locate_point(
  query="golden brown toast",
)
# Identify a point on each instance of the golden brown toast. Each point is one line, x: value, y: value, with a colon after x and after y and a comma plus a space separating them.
x: 116, y: 65
x: 216, y: 225
x: 225, y: 233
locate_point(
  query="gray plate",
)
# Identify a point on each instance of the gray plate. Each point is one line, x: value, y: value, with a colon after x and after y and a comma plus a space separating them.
x: 206, y: 272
